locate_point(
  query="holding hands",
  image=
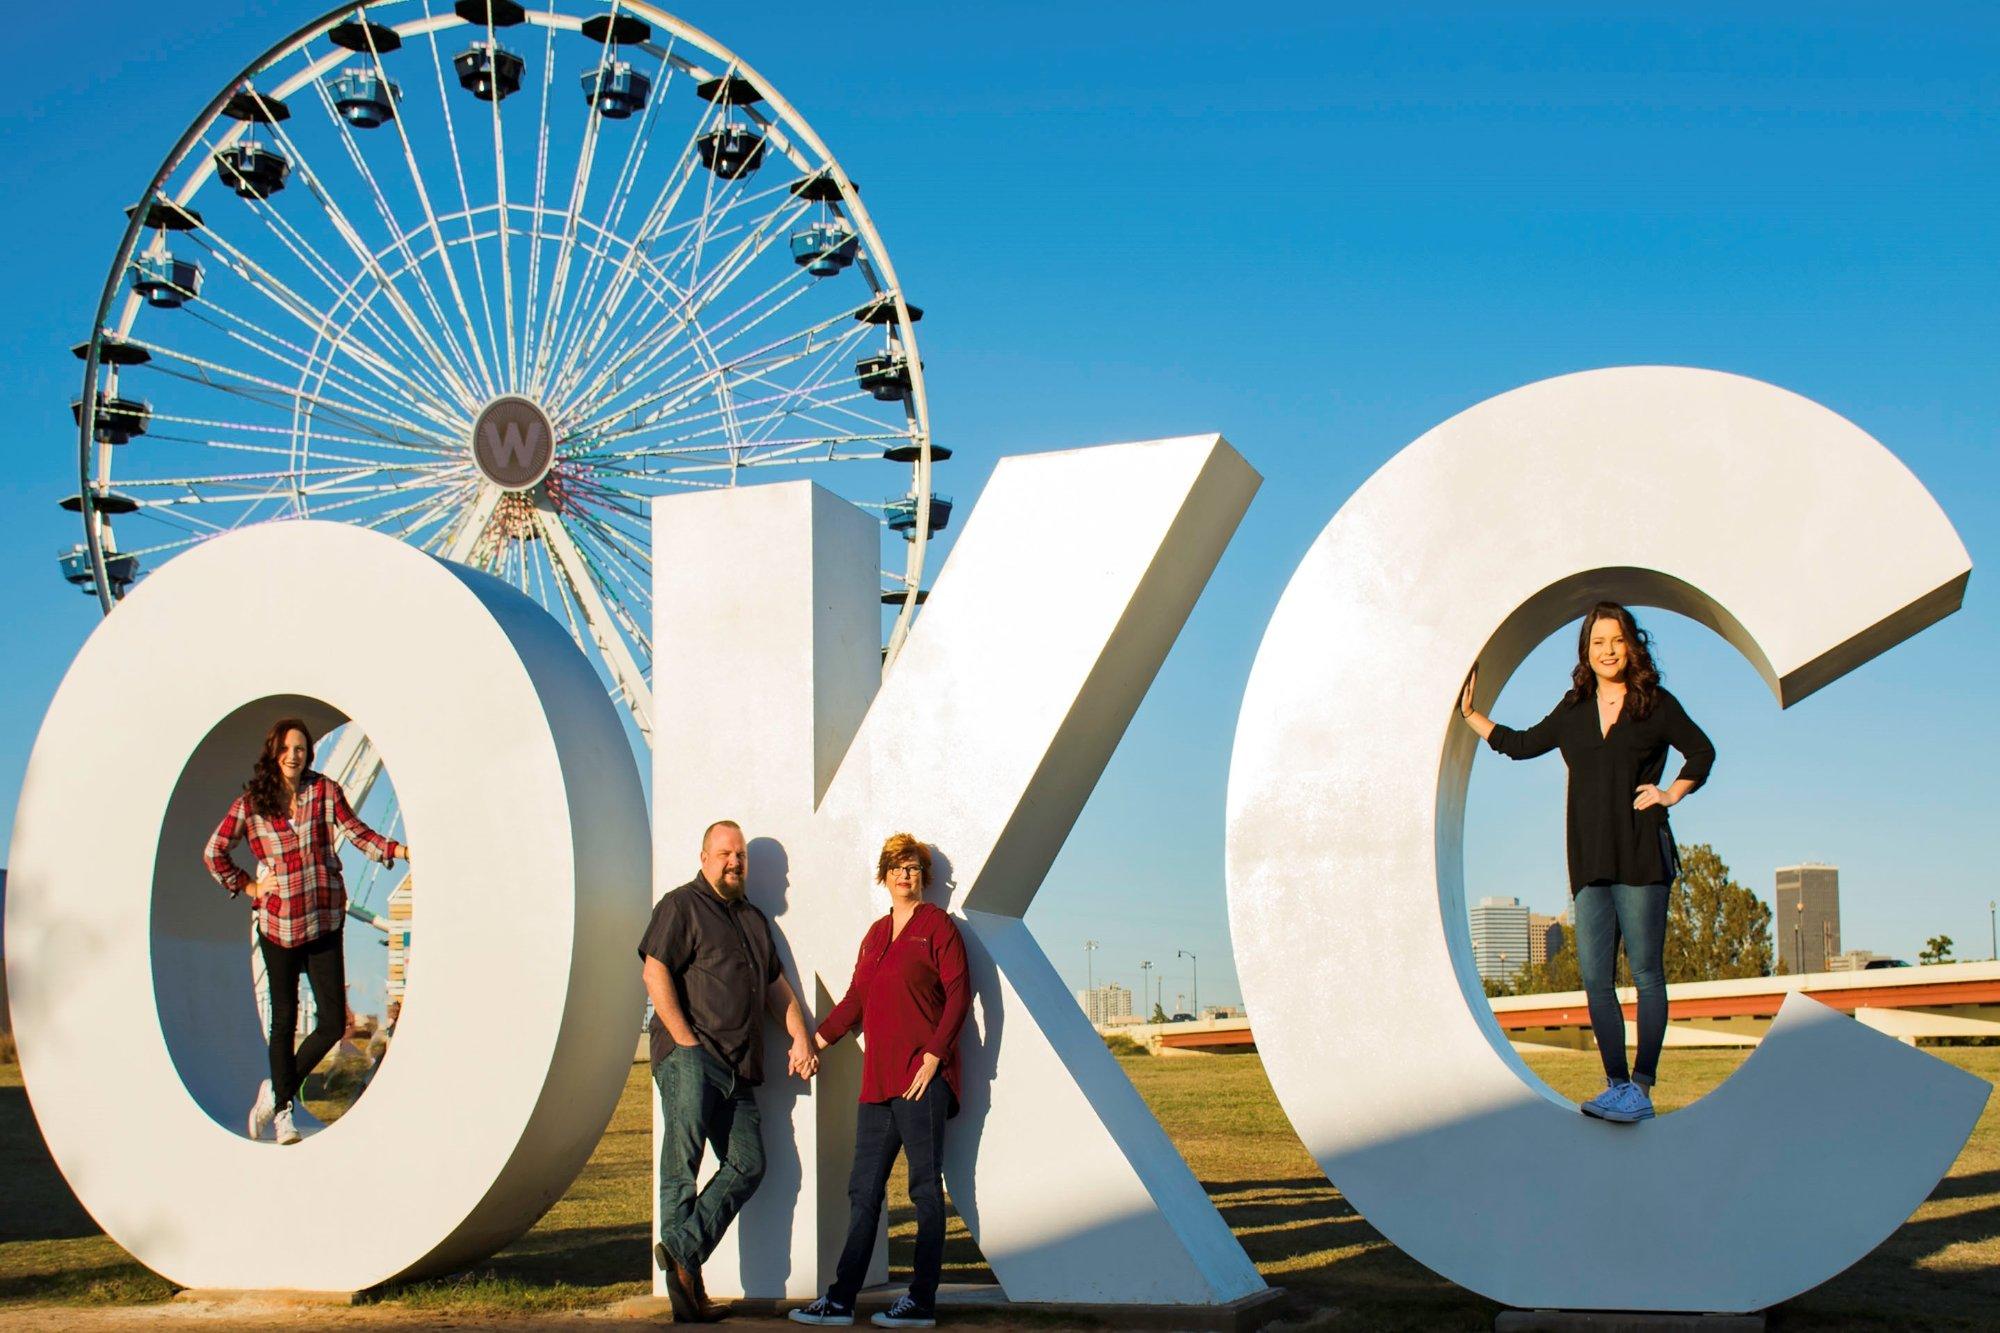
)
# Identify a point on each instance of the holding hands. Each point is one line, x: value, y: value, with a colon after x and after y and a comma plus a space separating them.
x: 803, y: 1061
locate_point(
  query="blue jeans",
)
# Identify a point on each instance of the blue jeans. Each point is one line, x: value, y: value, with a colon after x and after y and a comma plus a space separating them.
x: 880, y: 1129
x: 702, y: 1102
x: 1639, y: 913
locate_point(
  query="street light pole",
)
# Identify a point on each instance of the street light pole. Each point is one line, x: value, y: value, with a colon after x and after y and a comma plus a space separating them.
x: 1089, y: 966
x: 1183, y: 953
x: 1146, y: 987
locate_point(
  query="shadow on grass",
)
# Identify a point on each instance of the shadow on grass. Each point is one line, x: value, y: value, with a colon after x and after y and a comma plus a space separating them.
x: 544, y: 1270
x: 40, y: 1205
x: 112, y: 1284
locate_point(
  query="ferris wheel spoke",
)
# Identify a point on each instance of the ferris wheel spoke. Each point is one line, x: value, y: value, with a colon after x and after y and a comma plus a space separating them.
x: 428, y: 509
x: 689, y: 388
x: 738, y: 413
x: 273, y: 289
x: 614, y: 211
x: 446, y: 392
x: 541, y: 189
x: 586, y: 159
x: 672, y: 346
x: 202, y: 308
x: 270, y: 393
x: 780, y: 294
x: 654, y: 224
x: 287, y: 431
x: 472, y: 364
x: 350, y: 236
x: 755, y: 242
x: 355, y: 394
x: 503, y: 368
x: 812, y: 385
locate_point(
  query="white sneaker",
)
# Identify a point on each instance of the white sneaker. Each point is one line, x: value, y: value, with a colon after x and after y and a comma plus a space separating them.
x: 261, y: 1111
x: 287, y: 1131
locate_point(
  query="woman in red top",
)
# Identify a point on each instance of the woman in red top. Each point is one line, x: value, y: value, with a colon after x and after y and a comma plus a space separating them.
x: 910, y: 996
x: 291, y: 817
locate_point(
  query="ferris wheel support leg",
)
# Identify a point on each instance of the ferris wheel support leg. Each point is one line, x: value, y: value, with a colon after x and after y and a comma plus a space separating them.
x: 473, y: 526
x: 603, y: 630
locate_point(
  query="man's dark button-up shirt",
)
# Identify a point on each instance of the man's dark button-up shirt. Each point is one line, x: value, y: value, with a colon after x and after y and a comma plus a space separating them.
x: 1609, y: 841
x: 722, y: 958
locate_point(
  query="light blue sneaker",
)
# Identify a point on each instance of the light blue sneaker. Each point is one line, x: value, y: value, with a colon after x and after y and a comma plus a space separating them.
x: 1627, y: 1104
x: 1597, y: 1106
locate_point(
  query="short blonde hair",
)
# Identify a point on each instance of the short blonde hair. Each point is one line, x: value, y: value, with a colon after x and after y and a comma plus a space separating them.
x: 899, y: 846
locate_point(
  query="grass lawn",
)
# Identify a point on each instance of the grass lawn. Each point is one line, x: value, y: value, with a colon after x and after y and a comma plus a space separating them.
x: 1941, y: 1270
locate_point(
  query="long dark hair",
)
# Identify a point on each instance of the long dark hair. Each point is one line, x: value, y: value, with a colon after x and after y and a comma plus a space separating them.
x: 1642, y: 677
x: 266, y: 787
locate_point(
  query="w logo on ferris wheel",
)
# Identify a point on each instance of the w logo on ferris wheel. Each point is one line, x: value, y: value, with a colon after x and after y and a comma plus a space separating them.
x: 513, y: 443
x: 508, y: 447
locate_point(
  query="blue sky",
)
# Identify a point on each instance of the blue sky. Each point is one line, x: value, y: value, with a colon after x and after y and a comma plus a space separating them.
x: 1319, y: 230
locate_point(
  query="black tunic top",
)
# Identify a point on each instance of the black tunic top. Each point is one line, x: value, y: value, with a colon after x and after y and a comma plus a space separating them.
x: 1609, y: 841
x: 722, y: 958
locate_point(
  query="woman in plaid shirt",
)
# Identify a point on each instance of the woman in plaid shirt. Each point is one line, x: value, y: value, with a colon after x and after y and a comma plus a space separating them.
x: 291, y: 817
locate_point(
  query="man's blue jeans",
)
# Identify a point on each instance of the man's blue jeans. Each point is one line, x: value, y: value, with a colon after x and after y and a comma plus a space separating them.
x: 1638, y: 912
x: 702, y: 1102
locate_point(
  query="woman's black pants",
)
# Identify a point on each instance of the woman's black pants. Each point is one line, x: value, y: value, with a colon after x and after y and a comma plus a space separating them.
x: 320, y: 959
x: 880, y: 1129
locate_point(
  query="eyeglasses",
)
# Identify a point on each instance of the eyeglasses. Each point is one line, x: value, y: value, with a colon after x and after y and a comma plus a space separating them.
x: 908, y: 868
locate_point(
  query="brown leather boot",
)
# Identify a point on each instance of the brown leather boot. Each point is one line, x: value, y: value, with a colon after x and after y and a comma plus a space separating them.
x: 687, y: 1310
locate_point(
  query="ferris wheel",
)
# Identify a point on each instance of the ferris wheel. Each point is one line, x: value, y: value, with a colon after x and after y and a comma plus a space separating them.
x: 488, y: 277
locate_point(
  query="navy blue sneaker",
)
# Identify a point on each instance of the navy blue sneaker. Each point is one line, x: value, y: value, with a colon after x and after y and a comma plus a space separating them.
x: 825, y: 1310
x: 905, y: 1313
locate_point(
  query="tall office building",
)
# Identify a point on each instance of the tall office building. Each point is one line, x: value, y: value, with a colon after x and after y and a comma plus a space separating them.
x: 1105, y: 1003
x: 1805, y: 916
x: 1545, y: 938
x: 1499, y: 938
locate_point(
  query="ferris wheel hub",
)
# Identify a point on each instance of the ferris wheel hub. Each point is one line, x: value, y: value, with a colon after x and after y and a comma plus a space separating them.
x: 513, y: 444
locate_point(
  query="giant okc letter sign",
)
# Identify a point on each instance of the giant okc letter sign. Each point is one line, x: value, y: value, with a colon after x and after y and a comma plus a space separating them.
x: 1794, y: 536
x: 1787, y: 530
x: 1060, y: 600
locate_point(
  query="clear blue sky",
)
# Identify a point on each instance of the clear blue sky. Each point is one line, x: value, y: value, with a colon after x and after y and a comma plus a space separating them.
x: 1320, y: 230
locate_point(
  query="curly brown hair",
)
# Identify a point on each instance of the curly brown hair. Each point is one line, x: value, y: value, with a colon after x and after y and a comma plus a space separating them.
x: 1642, y: 676
x: 266, y: 787
x: 898, y: 846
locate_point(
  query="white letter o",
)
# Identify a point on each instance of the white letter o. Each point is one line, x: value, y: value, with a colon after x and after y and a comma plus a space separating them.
x: 139, y: 1040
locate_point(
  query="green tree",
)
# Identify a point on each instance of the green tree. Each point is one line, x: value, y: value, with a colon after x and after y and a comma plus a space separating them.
x: 1937, y: 949
x: 1159, y: 1014
x: 1716, y: 928
x: 1558, y: 974
x: 1494, y: 987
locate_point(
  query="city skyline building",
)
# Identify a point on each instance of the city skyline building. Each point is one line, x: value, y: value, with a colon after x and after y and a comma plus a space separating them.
x: 1855, y: 960
x: 1499, y: 938
x: 1545, y: 938
x: 1107, y: 1003
x: 1805, y: 916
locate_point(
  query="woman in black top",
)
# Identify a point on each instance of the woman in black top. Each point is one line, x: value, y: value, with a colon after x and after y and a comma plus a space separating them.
x: 1613, y: 728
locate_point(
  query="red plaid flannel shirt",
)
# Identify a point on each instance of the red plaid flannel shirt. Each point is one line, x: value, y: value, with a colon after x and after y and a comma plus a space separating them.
x: 308, y: 896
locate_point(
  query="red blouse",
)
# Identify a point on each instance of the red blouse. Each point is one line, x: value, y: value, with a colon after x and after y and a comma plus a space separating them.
x: 910, y: 996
